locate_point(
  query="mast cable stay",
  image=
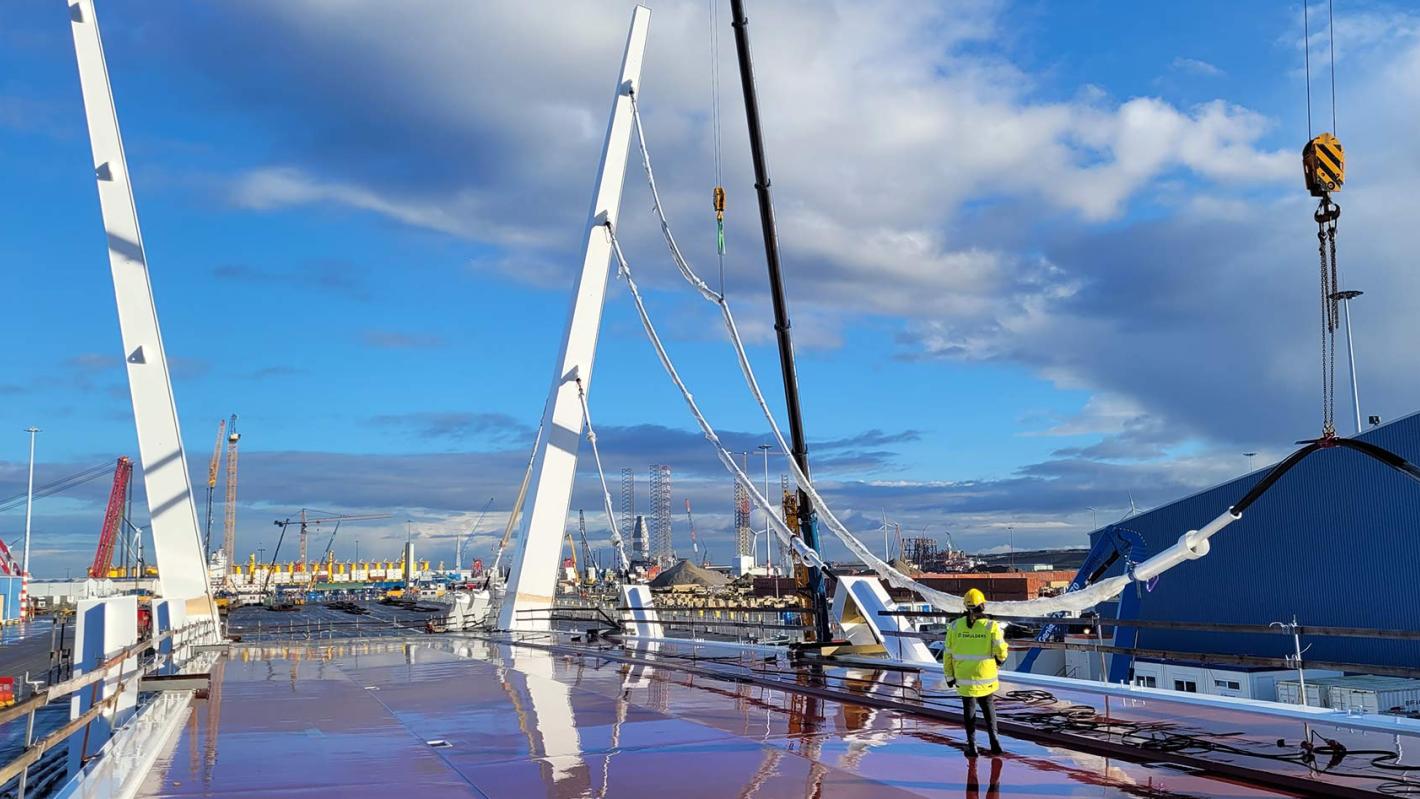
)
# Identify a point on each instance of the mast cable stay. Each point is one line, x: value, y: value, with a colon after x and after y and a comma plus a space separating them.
x: 1192, y: 544
x: 494, y: 575
x: 778, y: 526
x: 616, y: 541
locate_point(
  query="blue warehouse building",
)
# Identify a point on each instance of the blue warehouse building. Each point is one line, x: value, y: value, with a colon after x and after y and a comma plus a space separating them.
x: 1335, y: 543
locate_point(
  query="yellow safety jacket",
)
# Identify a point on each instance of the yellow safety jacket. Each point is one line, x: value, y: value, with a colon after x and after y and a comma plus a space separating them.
x: 971, y: 654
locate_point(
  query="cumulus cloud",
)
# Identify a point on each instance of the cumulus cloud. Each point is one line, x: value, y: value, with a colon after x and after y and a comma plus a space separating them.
x: 1195, y: 66
x: 1154, y: 254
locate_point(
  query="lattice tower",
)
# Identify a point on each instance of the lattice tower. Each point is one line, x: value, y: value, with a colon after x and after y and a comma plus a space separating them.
x: 662, y: 545
x: 628, y: 503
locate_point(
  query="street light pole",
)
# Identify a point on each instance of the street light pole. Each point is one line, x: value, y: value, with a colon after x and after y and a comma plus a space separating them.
x: 1346, y: 297
x: 765, y: 449
x: 1249, y: 456
x: 29, y: 501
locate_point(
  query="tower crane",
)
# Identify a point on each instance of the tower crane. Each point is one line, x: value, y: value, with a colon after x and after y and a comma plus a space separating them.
x: 229, y: 526
x: 326, y: 558
x: 694, y: 542
x: 212, y: 483
x: 586, y: 547
x: 305, y: 522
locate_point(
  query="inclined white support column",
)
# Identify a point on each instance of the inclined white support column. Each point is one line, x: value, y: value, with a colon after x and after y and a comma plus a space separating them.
x: 534, y: 575
x: 181, y: 567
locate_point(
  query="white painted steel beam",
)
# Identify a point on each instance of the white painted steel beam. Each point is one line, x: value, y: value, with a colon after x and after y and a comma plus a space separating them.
x: 858, y: 608
x: 534, y: 575
x: 182, y: 569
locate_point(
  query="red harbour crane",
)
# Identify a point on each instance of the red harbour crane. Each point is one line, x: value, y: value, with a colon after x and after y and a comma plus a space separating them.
x: 113, y: 517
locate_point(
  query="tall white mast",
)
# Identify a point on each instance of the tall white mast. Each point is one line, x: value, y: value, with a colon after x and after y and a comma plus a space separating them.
x: 534, y: 576
x: 176, y: 538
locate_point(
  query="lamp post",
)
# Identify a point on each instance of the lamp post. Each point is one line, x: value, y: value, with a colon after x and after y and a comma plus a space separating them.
x: 765, y: 449
x: 1249, y: 456
x: 1345, y: 298
x: 29, y: 501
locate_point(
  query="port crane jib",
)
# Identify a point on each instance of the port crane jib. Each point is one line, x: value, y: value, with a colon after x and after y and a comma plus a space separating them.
x: 113, y: 516
x: 305, y: 522
x: 212, y: 467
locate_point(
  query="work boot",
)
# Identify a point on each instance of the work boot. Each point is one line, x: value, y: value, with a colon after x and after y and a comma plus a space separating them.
x: 970, y: 750
x: 996, y: 747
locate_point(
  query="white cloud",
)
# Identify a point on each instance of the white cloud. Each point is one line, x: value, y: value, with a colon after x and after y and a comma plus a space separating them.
x: 1194, y: 66
x: 882, y: 124
x: 920, y: 175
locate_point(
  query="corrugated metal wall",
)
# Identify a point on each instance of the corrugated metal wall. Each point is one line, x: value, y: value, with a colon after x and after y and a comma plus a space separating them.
x: 1335, y: 542
x: 10, y: 590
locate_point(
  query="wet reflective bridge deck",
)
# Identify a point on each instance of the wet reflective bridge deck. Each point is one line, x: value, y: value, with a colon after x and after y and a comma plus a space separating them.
x: 452, y: 716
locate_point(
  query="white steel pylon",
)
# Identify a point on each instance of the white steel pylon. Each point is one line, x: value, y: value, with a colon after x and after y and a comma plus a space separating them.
x: 534, y: 576
x: 177, y: 541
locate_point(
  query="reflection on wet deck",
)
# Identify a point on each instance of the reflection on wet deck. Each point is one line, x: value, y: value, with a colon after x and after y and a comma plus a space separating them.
x: 461, y: 717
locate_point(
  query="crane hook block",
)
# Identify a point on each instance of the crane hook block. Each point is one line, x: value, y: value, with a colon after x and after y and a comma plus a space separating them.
x: 1324, y: 165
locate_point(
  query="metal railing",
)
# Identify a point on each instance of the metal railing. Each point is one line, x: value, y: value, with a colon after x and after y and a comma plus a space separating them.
x: 94, y: 679
x: 1193, y: 626
x: 696, y: 620
x: 1098, y: 625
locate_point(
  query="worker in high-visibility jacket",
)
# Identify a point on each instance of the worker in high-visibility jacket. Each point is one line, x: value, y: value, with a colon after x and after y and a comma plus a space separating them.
x: 976, y: 648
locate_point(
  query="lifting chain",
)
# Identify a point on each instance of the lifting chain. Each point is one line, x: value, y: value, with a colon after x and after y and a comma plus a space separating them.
x: 1326, y: 216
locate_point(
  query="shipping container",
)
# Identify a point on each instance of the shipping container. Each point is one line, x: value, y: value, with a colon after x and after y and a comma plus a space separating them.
x: 1369, y: 694
x: 1288, y: 693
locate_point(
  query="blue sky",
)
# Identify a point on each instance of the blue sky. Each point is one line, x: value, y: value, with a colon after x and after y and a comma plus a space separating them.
x: 1041, y: 257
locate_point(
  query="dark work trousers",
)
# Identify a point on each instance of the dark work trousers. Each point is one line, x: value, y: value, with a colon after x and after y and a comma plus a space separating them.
x: 988, y: 711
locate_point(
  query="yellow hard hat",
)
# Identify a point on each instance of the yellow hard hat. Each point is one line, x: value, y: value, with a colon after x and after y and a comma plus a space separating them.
x: 973, y: 598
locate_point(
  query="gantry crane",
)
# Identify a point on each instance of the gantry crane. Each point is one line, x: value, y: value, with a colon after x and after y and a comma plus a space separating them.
x: 229, y: 507
x: 212, y: 484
